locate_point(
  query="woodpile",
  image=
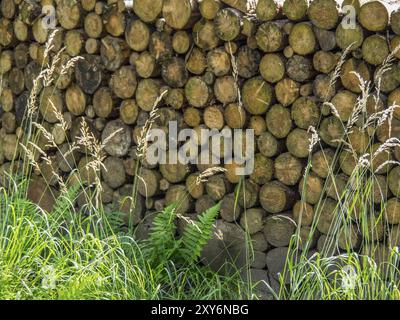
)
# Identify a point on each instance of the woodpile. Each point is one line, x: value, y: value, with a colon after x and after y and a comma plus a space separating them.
x: 219, y: 66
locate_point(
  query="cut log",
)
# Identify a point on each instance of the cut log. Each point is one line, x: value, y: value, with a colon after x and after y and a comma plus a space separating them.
x: 257, y: 96
x: 174, y: 73
x: 20, y: 30
x: 196, y: 63
x: 247, y: 62
x: 174, y: 173
x: 373, y: 16
x: 177, y: 13
x: 205, y: 35
x: 247, y: 193
x: 148, y: 10
x: 288, y: 169
x: 227, y: 24
x: 149, y: 182
x: 225, y: 89
x: 380, y: 189
x: 88, y: 73
x: 358, y: 140
x: 395, y: 21
x: 263, y: 169
x: 303, y: 213
x: 114, y: 22
x: 147, y: 93
x: 93, y: 25
x: 276, y: 197
x: 6, y: 61
x: 230, y: 208
x: 257, y: 123
x: 235, y: 116
x: 375, y: 49
x: 323, y: 162
x: 129, y: 111
x: 197, y: 92
x: 267, y: 10
x: 204, y: 203
x: 270, y: 37
x: 69, y: 14
x: 114, y: 52
x: 7, y: 36
x: 252, y: 220
x: 209, y: 8
x: 16, y: 81
x: 181, y: 42
x: 331, y: 131
x: 268, y: 145
x: 88, y: 5
x: 302, y: 39
x: 323, y: 13
x: 75, y: 100
x: 287, y: 91
x: 348, y: 162
x: 351, y: 38
x: 7, y: 8
x: 137, y: 35
x: 280, y: 129
x: 349, y: 80
x: 311, y: 188
x: 194, y: 186
x: 272, y: 68
x: 213, y: 117
x: 92, y: 46
x: 51, y: 102
x: 393, y: 100
x: 323, y: 89
x: 305, y: 113
x: 29, y: 11
x: 344, y: 102
x: 160, y: 45
x: 113, y: 172
x: 192, y: 117
x: 298, y: 143
x: 279, y: 229
x: 103, y: 102
x: 117, y: 136
x: 324, y: 61
x: 219, y: 62
x: 21, y: 55
x: 217, y: 186
x: 6, y: 99
x: 299, y: 68
x: 325, y: 213
x: 295, y: 10
x: 146, y: 65
x: 8, y: 122
x: 392, y: 212
x: 123, y: 82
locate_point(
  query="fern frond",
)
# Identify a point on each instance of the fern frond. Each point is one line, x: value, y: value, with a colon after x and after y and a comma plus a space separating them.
x: 161, y: 242
x: 197, y: 234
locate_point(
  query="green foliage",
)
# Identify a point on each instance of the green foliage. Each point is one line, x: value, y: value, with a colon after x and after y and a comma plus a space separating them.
x: 197, y: 234
x: 161, y: 243
x: 163, y: 246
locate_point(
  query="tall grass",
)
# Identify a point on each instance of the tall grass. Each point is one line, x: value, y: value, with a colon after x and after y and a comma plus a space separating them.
x: 357, y: 261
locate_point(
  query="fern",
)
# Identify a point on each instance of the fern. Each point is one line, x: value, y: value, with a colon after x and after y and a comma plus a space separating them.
x: 197, y: 234
x: 161, y: 242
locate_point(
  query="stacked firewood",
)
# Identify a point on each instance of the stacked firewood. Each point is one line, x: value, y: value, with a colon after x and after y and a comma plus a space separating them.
x: 220, y: 64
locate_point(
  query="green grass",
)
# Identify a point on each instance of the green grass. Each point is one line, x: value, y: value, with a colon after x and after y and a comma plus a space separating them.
x: 67, y: 255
